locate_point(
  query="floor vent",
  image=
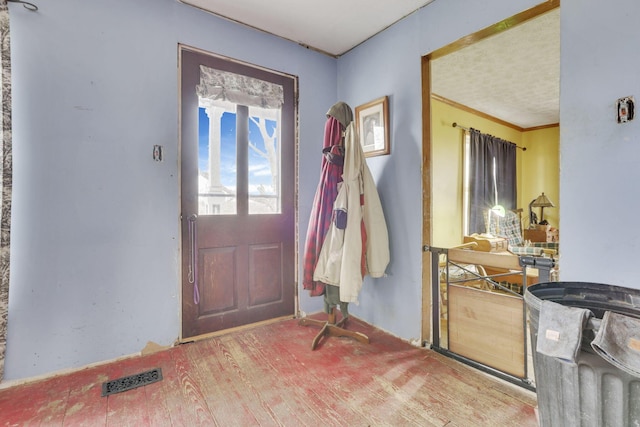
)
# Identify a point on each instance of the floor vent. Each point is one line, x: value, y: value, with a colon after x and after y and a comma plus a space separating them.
x: 131, y: 382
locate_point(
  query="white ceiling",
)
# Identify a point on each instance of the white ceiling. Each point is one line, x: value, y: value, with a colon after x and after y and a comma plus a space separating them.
x: 513, y: 76
x: 330, y: 26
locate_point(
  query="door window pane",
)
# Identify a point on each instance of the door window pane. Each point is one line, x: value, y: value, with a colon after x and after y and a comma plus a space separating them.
x: 217, y: 159
x: 264, y: 161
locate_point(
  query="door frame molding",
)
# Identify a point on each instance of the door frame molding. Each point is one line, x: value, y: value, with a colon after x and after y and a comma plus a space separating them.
x: 296, y: 145
x: 427, y: 329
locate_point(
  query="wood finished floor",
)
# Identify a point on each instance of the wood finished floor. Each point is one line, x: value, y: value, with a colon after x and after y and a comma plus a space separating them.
x: 268, y: 376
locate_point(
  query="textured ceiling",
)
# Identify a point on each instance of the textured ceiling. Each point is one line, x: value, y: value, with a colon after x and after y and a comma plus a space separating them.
x: 514, y: 75
x: 330, y: 26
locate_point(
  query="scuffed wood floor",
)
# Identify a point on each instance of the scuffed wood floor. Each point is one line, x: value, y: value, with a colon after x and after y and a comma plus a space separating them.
x: 268, y: 376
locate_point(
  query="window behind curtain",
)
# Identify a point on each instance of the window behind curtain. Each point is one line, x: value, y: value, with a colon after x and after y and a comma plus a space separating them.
x: 481, y: 179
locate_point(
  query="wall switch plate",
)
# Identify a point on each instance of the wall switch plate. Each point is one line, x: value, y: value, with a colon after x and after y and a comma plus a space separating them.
x: 625, y: 108
x: 157, y: 153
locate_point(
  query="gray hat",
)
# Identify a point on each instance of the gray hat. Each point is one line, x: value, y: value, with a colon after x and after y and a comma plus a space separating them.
x: 341, y: 112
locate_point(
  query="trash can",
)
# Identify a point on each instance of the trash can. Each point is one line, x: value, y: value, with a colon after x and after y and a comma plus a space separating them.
x: 598, y: 382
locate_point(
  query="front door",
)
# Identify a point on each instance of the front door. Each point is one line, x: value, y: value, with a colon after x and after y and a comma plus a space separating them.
x: 237, y: 155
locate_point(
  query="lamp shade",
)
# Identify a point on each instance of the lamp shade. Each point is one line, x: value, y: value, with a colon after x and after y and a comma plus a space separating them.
x: 542, y: 201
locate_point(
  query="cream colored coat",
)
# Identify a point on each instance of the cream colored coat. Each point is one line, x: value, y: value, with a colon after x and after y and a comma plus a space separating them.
x: 339, y: 263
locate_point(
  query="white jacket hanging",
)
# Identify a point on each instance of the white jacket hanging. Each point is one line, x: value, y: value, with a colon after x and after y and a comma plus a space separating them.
x: 340, y: 261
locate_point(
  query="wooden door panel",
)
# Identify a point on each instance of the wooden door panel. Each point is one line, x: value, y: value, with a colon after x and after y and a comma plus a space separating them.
x: 219, y: 267
x: 265, y: 274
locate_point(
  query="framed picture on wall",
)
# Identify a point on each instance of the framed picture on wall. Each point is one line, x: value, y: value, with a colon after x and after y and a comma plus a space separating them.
x: 372, y: 123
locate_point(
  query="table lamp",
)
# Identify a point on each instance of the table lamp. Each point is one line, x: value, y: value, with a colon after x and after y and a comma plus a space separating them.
x: 541, y: 202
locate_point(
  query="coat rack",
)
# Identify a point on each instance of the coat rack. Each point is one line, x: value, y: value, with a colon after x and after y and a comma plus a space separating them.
x: 331, y: 328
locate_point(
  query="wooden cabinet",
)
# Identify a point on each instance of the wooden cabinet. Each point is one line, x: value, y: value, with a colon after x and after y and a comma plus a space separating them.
x: 542, y: 233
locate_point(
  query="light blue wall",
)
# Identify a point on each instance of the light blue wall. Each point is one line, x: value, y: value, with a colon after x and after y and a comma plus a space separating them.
x: 599, y: 173
x: 95, y: 243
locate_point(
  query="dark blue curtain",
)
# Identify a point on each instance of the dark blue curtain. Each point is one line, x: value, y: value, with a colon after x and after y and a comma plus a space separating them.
x: 483, y: 150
